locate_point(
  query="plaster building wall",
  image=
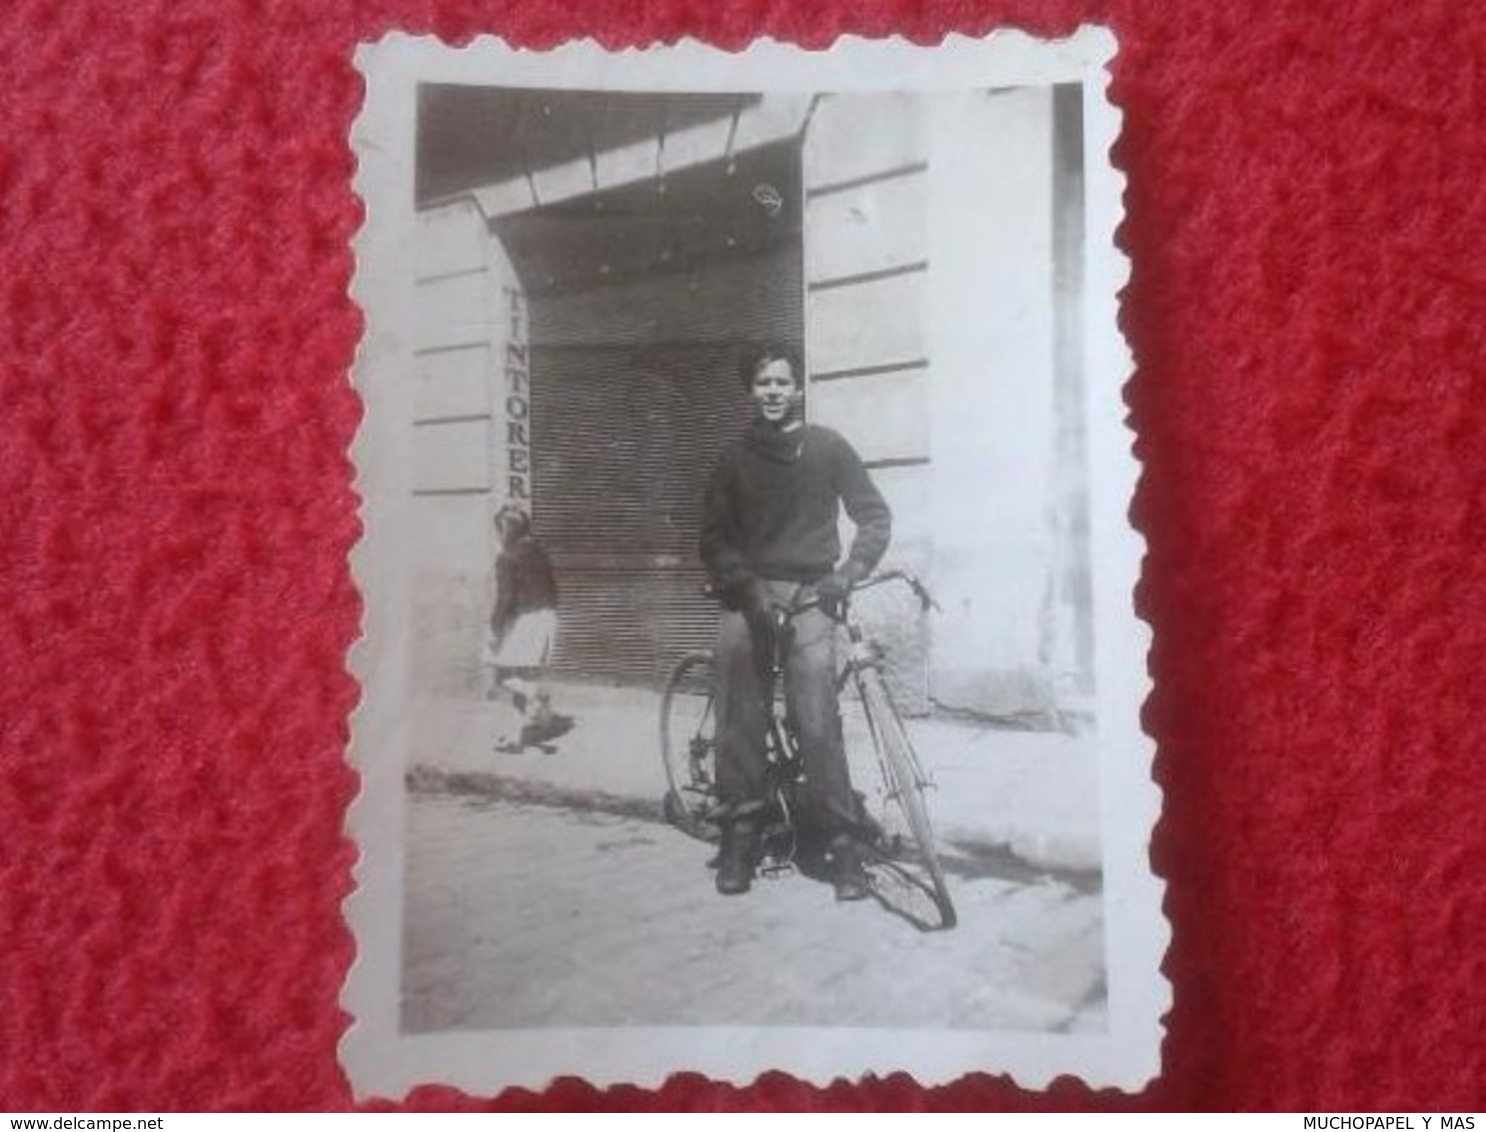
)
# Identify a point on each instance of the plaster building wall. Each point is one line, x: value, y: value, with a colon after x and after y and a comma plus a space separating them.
x: 470, y: 389
x: 866, y: 265
x: 935, y: 346
x: 993, y: 423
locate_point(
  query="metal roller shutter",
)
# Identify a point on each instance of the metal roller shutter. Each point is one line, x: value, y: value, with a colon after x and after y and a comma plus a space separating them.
x: 625, y: 429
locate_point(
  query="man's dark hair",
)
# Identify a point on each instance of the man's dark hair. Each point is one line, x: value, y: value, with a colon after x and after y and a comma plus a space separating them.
x: 756, y: 359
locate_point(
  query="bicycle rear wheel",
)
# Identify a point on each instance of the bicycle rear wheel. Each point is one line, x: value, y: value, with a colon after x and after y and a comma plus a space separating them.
x: 912, y: 839
x: 688, y: 743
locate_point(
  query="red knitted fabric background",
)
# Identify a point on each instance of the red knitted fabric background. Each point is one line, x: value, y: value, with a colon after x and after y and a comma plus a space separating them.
x: 1308, y: 229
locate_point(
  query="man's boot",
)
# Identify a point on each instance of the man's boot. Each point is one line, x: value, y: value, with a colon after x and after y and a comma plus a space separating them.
x: 736, y: 858
x: 847, y: 875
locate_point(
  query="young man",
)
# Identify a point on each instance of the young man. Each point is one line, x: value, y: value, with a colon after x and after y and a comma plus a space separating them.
x: 769, y: 540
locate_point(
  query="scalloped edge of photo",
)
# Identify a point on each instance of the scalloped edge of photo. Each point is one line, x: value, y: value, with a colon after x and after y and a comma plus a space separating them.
x: 378, y: 1059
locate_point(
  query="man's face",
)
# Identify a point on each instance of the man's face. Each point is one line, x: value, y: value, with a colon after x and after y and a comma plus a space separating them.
x: 775, y: 392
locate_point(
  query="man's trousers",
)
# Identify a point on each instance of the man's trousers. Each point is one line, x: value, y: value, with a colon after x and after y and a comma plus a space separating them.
x: 811, y: 702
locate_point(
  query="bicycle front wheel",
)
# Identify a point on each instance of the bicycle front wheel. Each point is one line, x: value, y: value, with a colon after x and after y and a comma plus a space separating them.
x: 688, y: 743
x: 904, y: 782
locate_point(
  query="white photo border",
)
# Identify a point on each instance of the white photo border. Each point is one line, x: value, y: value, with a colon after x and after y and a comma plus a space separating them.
x: 380, y: 1060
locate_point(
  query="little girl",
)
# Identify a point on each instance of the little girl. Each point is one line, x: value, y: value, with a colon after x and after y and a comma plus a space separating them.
x: 522, y: 627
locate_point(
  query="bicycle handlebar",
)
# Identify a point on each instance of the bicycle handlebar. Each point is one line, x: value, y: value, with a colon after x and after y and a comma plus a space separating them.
x: 920, y: 591
x: 925, y: 599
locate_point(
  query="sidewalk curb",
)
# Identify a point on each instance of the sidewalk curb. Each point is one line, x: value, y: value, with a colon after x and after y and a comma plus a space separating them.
x: 431, y: 780
x: 959, y: 852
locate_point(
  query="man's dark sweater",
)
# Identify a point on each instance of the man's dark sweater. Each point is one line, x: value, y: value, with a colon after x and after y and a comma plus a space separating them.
x: 771, y: 507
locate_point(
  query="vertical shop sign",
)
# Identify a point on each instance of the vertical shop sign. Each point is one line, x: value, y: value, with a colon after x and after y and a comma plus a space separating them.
x: 517, y: 404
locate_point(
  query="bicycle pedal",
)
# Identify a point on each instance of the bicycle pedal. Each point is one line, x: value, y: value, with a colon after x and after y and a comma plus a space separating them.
x: 777, y: 869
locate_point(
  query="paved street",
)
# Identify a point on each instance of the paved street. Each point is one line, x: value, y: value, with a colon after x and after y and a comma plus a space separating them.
x: 1032, y: 794
x: 523, y: 915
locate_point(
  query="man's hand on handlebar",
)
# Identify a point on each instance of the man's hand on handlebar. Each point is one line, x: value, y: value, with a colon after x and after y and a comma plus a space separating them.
x: 833, y: 592
x: 753, y: 600
x: 745, y: 596
x: 750, y: 597
x: 832, y: 595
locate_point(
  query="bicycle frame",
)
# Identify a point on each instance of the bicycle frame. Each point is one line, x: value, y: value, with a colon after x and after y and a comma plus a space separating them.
x: 898, y: 764
x: 784, y: 759
x: 905, y: 857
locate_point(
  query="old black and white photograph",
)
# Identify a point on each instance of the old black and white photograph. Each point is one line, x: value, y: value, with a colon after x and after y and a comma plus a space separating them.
x: 751, y: 678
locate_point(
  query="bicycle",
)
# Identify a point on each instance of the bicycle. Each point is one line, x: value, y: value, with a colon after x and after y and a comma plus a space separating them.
x: 896, y: 831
